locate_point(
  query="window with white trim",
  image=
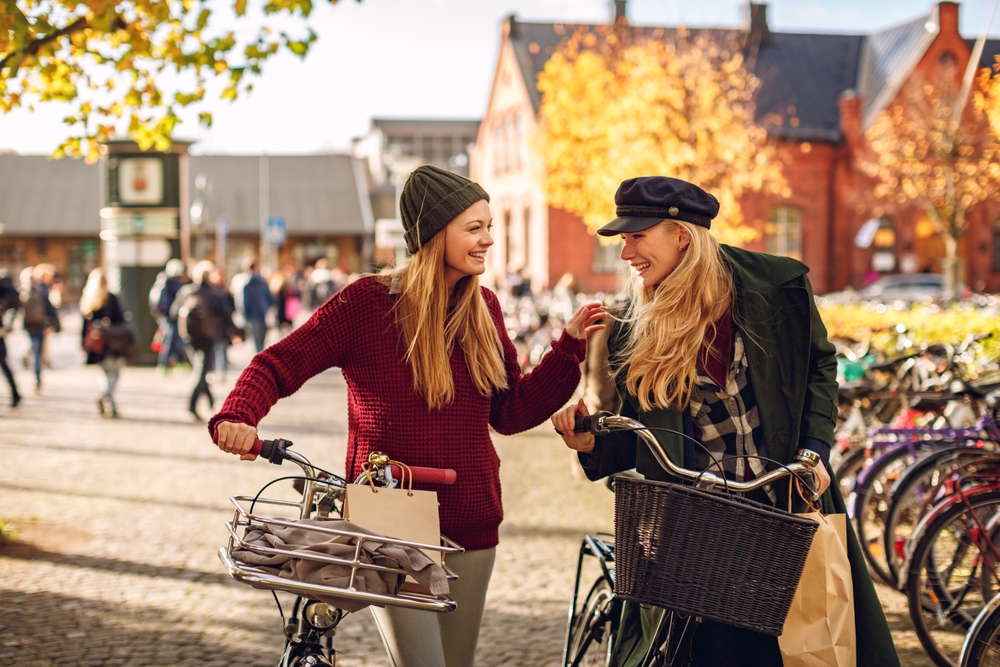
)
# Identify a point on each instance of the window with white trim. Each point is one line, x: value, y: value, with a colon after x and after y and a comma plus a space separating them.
x: 783, y: 232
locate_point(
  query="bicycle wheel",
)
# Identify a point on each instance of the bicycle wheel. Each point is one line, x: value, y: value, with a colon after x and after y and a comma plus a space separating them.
x: 916, y: 491
x: 871, y: 507
x: 593, y: 629
x: 846, y: 470
x: 949, y: 577
x: 982, y: 644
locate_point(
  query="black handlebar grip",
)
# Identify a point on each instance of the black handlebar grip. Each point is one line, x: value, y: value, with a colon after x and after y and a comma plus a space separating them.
x: 272, y: 450
x: 584, y: 424
x: 590, y: 423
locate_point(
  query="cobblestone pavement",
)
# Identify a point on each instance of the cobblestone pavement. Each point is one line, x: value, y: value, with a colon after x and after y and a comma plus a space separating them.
x: 119, y: 522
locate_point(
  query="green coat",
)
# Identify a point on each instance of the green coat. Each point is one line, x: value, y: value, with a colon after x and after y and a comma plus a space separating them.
x: 792, y: 367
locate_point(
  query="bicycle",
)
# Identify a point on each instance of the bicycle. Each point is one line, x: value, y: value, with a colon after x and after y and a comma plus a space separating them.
x: 593, y: 626
x: 923, y: 485
x: 981, y: 647
x: 952, y: 564
x: 898, y: 449
x: 318, y: 608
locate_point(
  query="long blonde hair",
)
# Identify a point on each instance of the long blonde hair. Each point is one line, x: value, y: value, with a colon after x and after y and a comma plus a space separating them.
x: 95, y: 293
x: 673, y: 324
x: 424, y: 309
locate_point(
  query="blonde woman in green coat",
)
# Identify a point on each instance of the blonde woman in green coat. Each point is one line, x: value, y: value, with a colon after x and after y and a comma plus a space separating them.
x: 727, y: 346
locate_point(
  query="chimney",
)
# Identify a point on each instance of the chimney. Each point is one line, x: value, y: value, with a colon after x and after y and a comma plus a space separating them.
x: 947, y: 17
x: 618, y: 11
x: 509, y: 26
x: 755, y: 22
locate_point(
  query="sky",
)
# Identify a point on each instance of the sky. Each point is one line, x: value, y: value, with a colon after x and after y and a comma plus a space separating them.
x: 435, y: 59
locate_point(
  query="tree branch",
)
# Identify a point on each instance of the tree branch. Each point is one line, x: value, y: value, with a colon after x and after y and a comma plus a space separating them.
x: 35, y: 46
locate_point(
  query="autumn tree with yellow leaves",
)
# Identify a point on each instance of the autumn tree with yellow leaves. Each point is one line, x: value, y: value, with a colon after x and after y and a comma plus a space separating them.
x: 619, y: 102
x: 987, y: 98
x: 918, y: 152
x: 137, y: 60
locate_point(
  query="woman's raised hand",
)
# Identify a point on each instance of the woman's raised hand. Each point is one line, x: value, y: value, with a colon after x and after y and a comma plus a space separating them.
x: 583, y: 322
x: 565, y: 420
x: 236, y: 438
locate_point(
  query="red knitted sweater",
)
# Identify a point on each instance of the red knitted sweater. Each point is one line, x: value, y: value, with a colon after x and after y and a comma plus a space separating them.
x: 356, y: 332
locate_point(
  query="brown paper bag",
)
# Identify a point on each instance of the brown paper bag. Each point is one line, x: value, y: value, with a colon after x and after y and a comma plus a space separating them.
x: 819, y: 630
x: 399, y: 513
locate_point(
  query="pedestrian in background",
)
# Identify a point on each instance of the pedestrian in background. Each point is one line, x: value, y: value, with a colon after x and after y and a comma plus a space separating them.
x: 40, y: 316
x: 161, y: 300
x: 233, y: 333
x: 257, y: 300
x: 286, y: 297
x: 204, y: 317
x: 9, y: 301
x: 429, y: 401
x: 101, y: 308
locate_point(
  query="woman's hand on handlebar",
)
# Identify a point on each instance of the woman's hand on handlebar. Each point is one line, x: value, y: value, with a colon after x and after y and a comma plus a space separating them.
x: 822, y: 478
x: 236, y: 438
x: 565, y: 420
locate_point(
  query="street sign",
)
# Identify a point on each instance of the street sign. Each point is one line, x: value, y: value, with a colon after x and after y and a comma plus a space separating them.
x: 275, y: 231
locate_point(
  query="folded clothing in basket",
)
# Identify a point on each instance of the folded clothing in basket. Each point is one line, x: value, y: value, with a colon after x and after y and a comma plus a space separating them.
x: 414, y: 562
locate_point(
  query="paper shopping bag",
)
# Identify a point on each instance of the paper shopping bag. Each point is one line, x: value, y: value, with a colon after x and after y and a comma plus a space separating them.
x: 400, y: 513
x: 819, y: 630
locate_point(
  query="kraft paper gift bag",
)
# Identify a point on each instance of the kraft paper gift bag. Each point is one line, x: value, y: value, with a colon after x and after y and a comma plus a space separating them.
x: 400, y: 513
x: 819, y: 630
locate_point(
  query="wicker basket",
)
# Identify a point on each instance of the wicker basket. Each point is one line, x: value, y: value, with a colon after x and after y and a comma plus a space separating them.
x: 708, y: 554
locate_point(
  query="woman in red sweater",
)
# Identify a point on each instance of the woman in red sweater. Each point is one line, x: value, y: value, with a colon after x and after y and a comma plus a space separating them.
x: 429, y: 368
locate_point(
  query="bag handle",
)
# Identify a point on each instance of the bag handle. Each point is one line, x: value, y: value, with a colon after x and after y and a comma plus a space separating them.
x: 380, y: 460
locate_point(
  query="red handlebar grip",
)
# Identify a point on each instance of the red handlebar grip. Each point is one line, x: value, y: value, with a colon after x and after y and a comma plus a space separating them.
x: 257, y: 444
x: 426, y: 475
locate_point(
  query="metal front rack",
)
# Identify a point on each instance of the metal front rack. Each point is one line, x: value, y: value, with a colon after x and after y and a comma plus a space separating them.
x: 252, y: 510
x: 261, y: 577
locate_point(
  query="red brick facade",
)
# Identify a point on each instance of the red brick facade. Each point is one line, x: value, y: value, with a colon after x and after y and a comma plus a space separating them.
x: 831, y: 198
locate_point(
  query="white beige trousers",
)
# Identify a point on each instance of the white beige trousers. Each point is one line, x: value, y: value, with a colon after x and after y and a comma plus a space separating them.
x: 427, y: 639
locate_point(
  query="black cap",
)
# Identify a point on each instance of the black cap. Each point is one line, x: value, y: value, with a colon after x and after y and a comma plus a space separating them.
x: 644, y: 201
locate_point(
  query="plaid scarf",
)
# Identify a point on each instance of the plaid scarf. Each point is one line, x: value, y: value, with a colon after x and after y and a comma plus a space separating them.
x: 727, y: 422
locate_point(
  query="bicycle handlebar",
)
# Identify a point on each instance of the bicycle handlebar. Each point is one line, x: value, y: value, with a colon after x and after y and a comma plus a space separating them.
x: 276, y: 451
x: 425, y: 475
x: 606, y: 422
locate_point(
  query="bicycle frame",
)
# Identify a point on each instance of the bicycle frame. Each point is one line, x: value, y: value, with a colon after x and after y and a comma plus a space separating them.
x: 596, y: 547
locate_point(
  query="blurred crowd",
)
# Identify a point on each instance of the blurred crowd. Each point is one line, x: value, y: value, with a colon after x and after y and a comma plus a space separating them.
x: 199, y: 313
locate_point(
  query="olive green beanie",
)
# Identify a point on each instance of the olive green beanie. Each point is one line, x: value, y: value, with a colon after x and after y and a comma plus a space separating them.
x: 431, y: 198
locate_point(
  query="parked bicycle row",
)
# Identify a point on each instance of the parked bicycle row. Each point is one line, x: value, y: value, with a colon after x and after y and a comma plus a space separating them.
x: 917, y: 458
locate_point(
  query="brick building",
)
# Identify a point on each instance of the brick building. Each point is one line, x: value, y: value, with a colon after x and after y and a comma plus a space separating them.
x: 829, y: 88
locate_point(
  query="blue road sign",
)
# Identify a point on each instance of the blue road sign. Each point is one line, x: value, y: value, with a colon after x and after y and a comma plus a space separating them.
x: 275, y: 231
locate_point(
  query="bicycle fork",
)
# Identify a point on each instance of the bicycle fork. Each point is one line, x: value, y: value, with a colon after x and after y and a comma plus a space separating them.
x: 672, y: 642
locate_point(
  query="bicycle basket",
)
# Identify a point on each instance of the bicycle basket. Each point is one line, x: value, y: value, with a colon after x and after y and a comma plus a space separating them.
x: 708, y: 554
x: 316, y: 568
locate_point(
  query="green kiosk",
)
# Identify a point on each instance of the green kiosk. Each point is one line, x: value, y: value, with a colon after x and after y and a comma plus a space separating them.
x: 142, y: 226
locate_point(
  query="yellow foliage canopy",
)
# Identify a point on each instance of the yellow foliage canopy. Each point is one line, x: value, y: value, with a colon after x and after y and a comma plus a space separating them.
x: 987, y: 98
x: 107, y: 57
x: 617, y: 105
